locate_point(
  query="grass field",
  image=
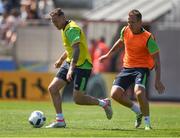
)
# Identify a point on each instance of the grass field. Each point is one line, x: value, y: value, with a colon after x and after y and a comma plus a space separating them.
x: 85, y: 121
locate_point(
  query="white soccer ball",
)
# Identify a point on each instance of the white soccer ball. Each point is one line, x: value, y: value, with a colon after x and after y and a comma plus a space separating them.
x: 37, y: 119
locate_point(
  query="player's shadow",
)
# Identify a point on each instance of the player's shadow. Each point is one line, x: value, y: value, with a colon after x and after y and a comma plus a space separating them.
x: 104, y: 129
x: 116, y: 129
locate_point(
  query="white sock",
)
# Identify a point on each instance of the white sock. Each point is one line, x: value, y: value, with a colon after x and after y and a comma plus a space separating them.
x: 59, y: 116
x: 135, y: 108
x: 101, y: 103
x: 147, y: 120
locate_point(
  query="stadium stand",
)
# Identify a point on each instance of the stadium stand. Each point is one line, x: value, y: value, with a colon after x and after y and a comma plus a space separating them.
x: 117, y: 10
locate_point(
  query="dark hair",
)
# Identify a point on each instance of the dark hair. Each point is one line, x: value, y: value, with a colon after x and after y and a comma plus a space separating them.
x: 57, y: 11
x: 136, y: 13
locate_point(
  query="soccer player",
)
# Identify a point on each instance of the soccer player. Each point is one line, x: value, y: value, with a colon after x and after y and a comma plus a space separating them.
x: 75, y: 65
x: 141, y: 55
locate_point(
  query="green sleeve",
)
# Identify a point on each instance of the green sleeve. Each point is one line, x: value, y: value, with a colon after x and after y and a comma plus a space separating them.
x: 73, y: 35
x: 122, y: 33
x: 152, y: 46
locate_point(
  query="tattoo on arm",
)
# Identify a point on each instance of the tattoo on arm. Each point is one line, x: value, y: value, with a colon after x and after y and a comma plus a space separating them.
x: 76, y: 53
x: 75, y: 58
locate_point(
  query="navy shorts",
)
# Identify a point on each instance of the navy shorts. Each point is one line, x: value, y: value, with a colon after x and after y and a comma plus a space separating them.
x: 80, y: 76
x: 130, y: 76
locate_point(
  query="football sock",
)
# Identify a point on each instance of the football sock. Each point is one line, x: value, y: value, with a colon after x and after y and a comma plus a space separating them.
x: 102, y: 103
x: 59, y: 117
x: 135, y: 108
x: 147, y: 120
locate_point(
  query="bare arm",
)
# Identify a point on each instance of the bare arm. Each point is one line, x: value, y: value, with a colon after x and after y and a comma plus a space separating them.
x: 112, y: 50
x: 75, y: 55
x: 158, y: 84
x: 74, y: 60
x: 157, y: 66
x: 61, y: 59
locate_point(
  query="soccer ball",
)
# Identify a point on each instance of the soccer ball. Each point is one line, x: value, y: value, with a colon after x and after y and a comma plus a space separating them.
x: 37, y: 119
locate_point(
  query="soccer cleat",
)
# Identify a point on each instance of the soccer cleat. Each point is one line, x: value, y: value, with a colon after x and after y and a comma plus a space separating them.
x: 148, y: 127
x: 57, y: 124
x: 107, y: 108
x: 138, y: 120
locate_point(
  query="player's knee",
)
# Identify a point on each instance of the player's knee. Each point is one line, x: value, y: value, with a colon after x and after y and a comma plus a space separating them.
x: 116, y: 95
x: 139, y: 90
x: 52, y: 89
x: 113, y: 95
x: 77, y: 98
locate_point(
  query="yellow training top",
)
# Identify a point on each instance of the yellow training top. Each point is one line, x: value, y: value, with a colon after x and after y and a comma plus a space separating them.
x: 71, y: 35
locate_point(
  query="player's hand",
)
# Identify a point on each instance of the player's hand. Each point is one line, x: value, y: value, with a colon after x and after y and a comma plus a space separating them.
x: 69, y: 75
x: 159, y: 86
x: 57, y: 64
x: 103, y: 57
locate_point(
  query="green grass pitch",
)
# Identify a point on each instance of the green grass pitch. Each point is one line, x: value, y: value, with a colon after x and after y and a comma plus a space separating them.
x: 87, y: 121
